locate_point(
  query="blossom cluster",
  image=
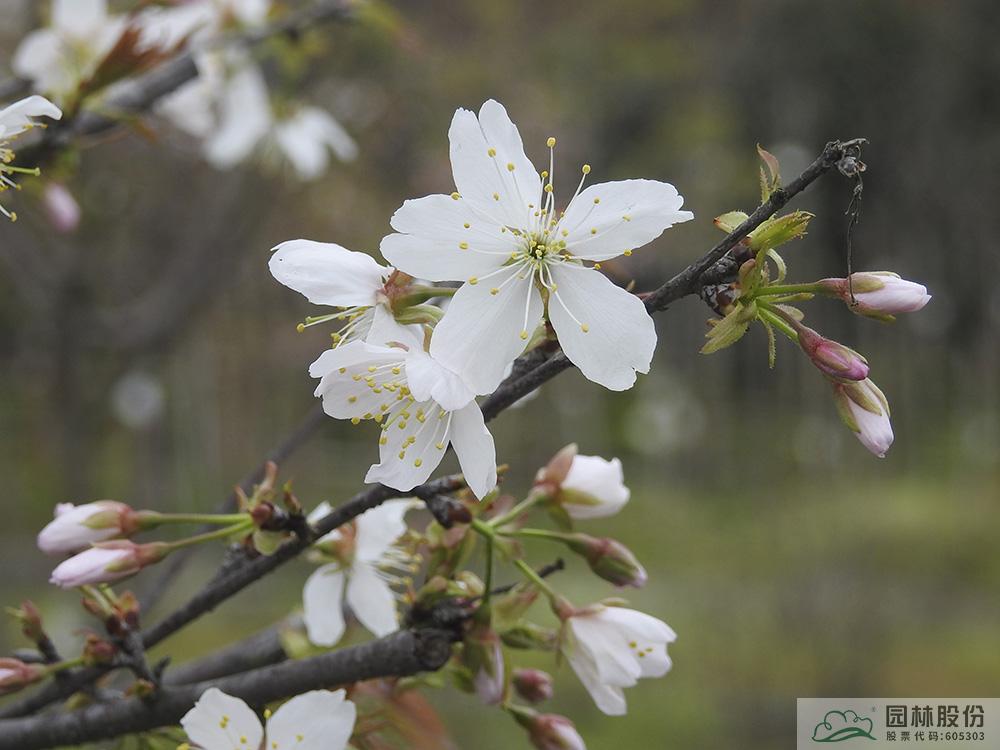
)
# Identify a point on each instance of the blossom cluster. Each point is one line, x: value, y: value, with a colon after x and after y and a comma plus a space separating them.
x: 526, y: 271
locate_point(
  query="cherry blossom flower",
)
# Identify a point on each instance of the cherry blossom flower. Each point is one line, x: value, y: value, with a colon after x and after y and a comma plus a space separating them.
x: 420, y: 405
x: 107, y: 562
x: 229, y: 108
x: 611, y: 648
x: 197, y: 21
x: 878, y: 293
x: 58, y: 58
x: 366, y: 556
x: 328, y: 274
x: 521, y: 259
x: 864, y: 408
x: 76, y: 527
x: 15, y: 120
x: 318, y: 720
x: 585, y: 486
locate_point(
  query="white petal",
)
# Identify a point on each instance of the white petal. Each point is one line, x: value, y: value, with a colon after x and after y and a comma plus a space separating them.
x: 245, y: 118
x: 442, y: 217
x: 651, y: 207
x: 322, y: 601
x: 347, y: 394
x: 379, y: 527
x: 385, y: 330
x: 428, y: 380
x: 439, y: 259
x: 639, y: 625
x: 481, y: 333
x: 431, y: 435
x: 476, y: 451
x: 318, y: 720
x: 330, y: 133
x: 371, y: 600
x: 609, y: 699
x: 487, y: 182
x: 18, y: 116
x: 594, y: 488
x: 250, y: 12
x: 79, y: 18
x: 321, y: 510
x: 609, y: 650
x: 620, y: 338
x: 39, y: 58
x: 219, y: 722
x: 327, y: 274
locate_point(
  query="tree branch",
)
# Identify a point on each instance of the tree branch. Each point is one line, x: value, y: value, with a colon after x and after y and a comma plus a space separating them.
x: 403, y: 653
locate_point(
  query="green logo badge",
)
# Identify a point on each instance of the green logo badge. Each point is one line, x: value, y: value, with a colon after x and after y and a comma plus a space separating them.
x: 838, y: 726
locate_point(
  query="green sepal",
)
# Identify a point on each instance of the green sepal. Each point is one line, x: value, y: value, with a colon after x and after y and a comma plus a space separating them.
x: 729, y: 221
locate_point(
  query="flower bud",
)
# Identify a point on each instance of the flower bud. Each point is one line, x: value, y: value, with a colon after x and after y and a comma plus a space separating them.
x: 76, y: 527
x: 549, y: 731
x: 107, y: 562
x: 98, y: 651
x: 482, y: 655
x: 61, y: 207
x: 833, y: 359
x: 864, y: 408
x: 533, y: 685
x: 15, y: 675
x: 585, y: 486
x: 877, y: 294
x: 609, y: 559
x: 31, y: 621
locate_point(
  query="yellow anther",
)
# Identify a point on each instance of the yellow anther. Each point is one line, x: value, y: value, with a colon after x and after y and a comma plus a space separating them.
x: 442, y: 414
x: 473, y: 280
x: 372, y: 368
x: 510, y: 166
x: 585, y: 328
x: 597, y: 266
x: 551, y: 142
x: 524, y: 335
x: 184, y: 746
x: 627, y: 253
x: 383, y: 440
x: 299, y: 738
x: 355, y: 420
x: 495, y: 291
x: 548, y: 187
x: 545, y: 173
x: 243, y: 739
x: 376, y: 390
x: 626, y: 217
x: 491, y: 152
x: 224, y: 722
x: 565, y: 233
x: 586, y: 169
x: 402, y: 455
x: 463, y: 245
x: 368, y: 415
x: 496, y: 196
x: 384, y: 407
x: 378, y: 418
x: 396, y: 370
x: 418, y: 462
x: 356, y: 377
x: 300, y: 327
x: 342, y: 370
x: 632, y: 644
x: 593, y: 230
x: 596, y: 201
x: 467, y: 225
x: 440, y: 446
x: 455, y: 196
x: 351, y: 399
x: 402, y: 424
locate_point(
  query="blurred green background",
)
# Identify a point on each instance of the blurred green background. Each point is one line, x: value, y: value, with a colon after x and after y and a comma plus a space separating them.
x: 150, y: 357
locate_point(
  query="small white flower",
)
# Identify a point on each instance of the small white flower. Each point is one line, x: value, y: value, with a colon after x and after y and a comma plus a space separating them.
x: 420, y: 406
x: 197, y: 21
x: 864, y: 408
x: 367, y: 548
x: 611, y: 648
x: 328, y: 274
x: 229, y: 107
x: 15, y: 120
x: 77, y: 527
x: 593, y: 488
x: 318, y: 720
x: 58, y: 58
x: 107, y: 562
x: 521, y: 258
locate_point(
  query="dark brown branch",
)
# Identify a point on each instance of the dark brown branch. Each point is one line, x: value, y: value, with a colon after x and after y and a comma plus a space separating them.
x: 404, y: 653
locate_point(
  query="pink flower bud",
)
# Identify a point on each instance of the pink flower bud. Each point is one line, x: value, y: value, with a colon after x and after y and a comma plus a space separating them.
x: 878, y: 293
x: 863, y: 408
x: 550, y: 731
x: 833, y: 359
x: 609, y: 559
x: 61, y: 207
x: 76, y: 527
x: 15, y: 674
x: 107, y: 562
x: 533, y: 685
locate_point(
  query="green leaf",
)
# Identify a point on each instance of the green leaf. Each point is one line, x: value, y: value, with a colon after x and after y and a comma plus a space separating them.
x: 729, y: 221
x: 772, y: 347
x: 730, y: 329
x: 778, y: 230
x: 770, y: 180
